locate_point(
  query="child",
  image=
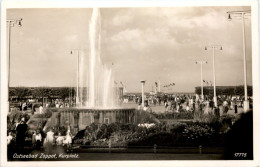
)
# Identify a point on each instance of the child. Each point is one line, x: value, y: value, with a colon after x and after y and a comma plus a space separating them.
x: 34, y: 139
x: 59, y: 140
x: 38, y: 139
x: 68, y: 140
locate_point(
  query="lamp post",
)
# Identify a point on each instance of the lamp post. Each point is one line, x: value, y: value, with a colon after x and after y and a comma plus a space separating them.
x: 213, y: 47
x: 242, y: 14
x: 201, y: 82
x: 10, y: 23
x: 77, y: 93
x: 143, y: 82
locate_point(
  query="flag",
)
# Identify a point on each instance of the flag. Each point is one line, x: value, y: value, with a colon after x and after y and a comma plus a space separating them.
x: 156, y: 84
x: 204, y: 81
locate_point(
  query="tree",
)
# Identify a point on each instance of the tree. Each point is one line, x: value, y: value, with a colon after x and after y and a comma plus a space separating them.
x: 20, y: 92
x: 64, y: 92
x: 42, y: 92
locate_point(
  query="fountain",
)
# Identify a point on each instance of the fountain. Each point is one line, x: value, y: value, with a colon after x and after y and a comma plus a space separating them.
x: 94, y: 75
x: 98, y: 95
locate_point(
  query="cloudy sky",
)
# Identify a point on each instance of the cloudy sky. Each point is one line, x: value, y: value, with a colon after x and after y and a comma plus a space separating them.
x: 143, y: 43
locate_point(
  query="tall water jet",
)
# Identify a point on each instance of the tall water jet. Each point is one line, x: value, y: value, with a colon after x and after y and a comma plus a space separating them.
x: 98, y: 80
x: 97, y: 93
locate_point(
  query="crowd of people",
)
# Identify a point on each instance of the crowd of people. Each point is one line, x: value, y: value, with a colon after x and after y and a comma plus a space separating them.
x: 16, y: 140
x: 171, y: 103
x: 191, y: 103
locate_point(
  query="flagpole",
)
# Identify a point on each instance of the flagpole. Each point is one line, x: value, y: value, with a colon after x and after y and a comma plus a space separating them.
x: 159, y: 86
x: 201, y: 79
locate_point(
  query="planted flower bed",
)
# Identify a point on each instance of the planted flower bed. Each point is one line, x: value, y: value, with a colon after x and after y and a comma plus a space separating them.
x: 190, y: 134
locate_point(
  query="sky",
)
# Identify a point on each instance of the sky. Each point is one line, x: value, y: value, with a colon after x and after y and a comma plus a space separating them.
x: 152, y: 44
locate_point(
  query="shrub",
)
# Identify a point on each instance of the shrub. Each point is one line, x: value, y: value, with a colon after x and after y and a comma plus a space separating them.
x: 51, y: 110
x: 174, y: 115
x: 47, y: 114
x: 14, y: 117
x: 227, y: 119
x: 208, y: 118
x: 177, y: 128
x: 146, y: 117
x: 197, y: 133
x: 159, y: 138
x: 91, y: 132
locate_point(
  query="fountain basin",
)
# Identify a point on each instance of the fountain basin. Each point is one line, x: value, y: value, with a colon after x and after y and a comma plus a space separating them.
x: 79, y: 118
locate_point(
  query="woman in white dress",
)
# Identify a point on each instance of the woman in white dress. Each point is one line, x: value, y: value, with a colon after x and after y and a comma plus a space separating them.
x: 49, y: 140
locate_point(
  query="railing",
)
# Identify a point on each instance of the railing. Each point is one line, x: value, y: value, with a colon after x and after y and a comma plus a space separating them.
x: 152, y: 149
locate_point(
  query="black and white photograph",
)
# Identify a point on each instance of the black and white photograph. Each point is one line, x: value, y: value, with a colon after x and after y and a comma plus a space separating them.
x: 129, y: 84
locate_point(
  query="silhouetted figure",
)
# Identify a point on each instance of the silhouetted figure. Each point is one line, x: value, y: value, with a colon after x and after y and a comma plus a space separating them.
x: 235, y: 107
x: 20, y: 106
x: 20, y: 134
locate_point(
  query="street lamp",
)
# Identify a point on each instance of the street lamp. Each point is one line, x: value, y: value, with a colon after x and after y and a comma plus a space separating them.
x: 201, y: 63
x: 77, y: 93
x: 242, y: 14
x: 213, y: 47
x: 143, y: 82
x: 11, y: 23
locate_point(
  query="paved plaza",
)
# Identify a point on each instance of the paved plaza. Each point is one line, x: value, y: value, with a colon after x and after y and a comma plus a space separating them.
x: 161, y: 108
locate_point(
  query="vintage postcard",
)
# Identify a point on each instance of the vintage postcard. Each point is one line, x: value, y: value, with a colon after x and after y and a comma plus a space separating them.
x: 108, y: 83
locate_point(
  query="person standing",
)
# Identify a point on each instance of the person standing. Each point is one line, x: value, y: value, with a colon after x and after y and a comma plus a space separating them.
x: 225, y: 107
x: 194, y: 106
x: 187, y: 108
x: 34, y: 139
x: 68, y: 140
x: 57, y: 105
x: 216, y: 111
x: 20, y: 134
x: 38, y: 139
x: 235, y: 107
x: 33, y: 109
x: 10, y: 146
x: 24, y: 106
x: 9, y: 138
x: 59, y: 140
x: 20, y: 106
x: 206, y: 108
x: 159, y: 101
x: 211, y: 104
x: 49, y: 141
x: 41, y: 109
